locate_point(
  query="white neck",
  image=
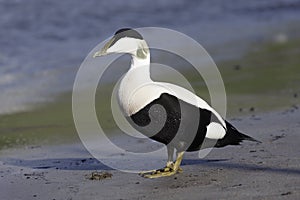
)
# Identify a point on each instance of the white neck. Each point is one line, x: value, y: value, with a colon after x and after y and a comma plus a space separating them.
x: 137, y: 75
x: 140, y: 68
x: 139, y: 62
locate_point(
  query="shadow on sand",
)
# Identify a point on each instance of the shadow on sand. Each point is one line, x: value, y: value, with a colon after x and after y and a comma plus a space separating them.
x: 60, y: 164
x: 94, y: 164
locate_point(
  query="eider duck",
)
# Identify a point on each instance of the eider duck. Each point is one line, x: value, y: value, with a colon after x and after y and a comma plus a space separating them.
x: 144, y: 102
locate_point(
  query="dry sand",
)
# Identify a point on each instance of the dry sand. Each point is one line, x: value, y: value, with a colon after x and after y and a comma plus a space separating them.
x: 270, y: 170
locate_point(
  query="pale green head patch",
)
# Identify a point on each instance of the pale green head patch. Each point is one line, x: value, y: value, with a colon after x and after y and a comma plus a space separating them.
x: 142, y: 51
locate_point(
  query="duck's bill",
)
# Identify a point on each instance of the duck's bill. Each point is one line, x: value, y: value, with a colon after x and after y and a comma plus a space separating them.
x: 103, y: 51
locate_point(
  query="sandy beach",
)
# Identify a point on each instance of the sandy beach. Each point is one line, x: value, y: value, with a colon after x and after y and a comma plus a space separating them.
x: 269, y: 170
x: 41, y: 156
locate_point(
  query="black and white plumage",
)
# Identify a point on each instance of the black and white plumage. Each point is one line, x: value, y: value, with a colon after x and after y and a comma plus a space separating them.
x: 146, y: 102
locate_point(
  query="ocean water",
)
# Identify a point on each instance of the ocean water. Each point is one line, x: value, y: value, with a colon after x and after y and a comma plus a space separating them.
x: 43, y: 42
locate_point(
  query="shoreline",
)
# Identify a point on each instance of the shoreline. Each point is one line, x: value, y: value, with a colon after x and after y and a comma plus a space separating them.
x: 236, y: 49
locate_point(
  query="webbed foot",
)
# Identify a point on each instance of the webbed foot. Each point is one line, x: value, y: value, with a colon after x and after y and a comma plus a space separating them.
x: 166, y: 171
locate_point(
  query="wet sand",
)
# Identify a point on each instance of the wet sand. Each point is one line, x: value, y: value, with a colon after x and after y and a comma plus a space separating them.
x: 270, y: 170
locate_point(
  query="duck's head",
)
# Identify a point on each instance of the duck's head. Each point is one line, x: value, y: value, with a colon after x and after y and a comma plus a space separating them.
x: 125, y: 40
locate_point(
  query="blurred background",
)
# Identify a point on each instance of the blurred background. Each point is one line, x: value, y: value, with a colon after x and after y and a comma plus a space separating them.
x: 43, y: 42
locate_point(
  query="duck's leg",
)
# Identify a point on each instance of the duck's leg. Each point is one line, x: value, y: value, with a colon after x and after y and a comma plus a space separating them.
x: 169, y: 170
x: 170, y: 162
x: 169, y: 165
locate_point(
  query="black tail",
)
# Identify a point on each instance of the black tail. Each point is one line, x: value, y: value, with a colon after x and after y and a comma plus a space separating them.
x: 233, y: 137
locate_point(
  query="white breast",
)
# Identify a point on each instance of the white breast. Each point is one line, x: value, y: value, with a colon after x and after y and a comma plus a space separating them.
x: 135, y: 97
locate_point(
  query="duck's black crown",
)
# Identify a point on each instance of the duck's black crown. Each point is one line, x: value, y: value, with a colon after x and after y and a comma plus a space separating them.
x: 127, y: 32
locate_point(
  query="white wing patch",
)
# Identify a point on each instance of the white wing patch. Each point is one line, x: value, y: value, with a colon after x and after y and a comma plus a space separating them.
x: 215, y: 131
